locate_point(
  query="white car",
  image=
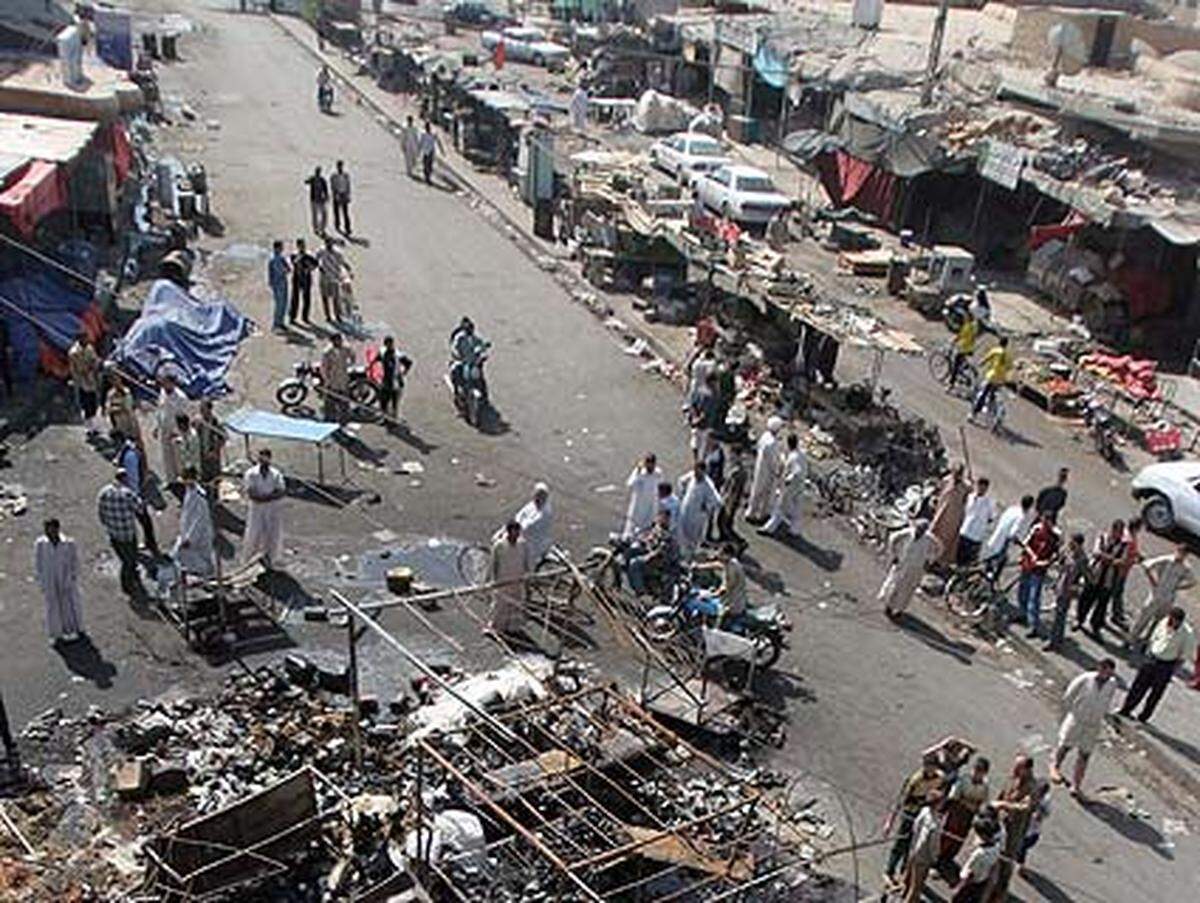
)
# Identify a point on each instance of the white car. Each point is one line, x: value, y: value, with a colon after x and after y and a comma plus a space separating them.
x: 525, y: 44
x: 741, y: 193
x: 1170, y: 496
x: 686, y: 154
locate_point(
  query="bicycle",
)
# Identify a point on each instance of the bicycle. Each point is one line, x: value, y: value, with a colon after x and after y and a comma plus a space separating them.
x: 994, y: 411
x: 974, y: 594
x: 941, y: 364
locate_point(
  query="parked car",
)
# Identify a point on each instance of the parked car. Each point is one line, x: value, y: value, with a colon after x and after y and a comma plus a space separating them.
x: 741, y: 193
x: 1170, y: 496
x: 686, y: 154
x: 525, y: 44
x: 477, y: 14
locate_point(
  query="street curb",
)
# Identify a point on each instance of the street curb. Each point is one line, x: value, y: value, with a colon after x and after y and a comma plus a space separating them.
x: 1152, y: 752
x: 531, y: 245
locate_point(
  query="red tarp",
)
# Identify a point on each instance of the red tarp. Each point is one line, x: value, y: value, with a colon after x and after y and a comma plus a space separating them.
x: 849, y: 180
x: 39, y: 191
x: 122, y: 153
x: 1072, y: 223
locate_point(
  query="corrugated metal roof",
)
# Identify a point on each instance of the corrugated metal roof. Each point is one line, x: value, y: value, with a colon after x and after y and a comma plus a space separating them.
x: 43, y: 138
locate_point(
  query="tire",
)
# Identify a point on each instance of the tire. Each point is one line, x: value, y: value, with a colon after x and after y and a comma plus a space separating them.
x: 968, y: 596
x: 660, y: 628
x: 939, y: 365
x: 767, y: 649
x: 603, y: 567
x: 968, y: 380
x: 474, y: 407
x: 365, y: 393
x: 1158, y: 515
x: 538, y: 60
x: 474, y: 563
x: 291, y: 395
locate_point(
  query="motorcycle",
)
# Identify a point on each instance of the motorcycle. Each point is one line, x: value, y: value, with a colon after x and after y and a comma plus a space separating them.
x: 325, y: 97
x: 1099, y: 422
x: 608, y: 565
x: 293, y: 392
x: 954, y: 311
x: 764, y: 625
x: 470, y: 393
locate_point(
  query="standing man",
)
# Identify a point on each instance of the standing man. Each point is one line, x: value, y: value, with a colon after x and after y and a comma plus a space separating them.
x: 766, y: 472
x: 669, y: 502
x: 212, y: 445
x: 643, y: 496
x: 1015, y: 803
x: 84, y: 366
x: 187, y: 444
x: 339, y: 185
x: 1167, y: 575
x: 335, y: 378
x: 698, y: 501
x: 911, y: 551
x: 1087, y: 701
x: 56, y: 565
x: 1171, y: 642
x: 1038, y: 551
x: 786, y: 513
x: 117, y: 508
x: 410, y: 139
x: 1014, y: 524
x: 318, y: 200
x: 393, y: 367
x: 1133, y: 556
x: 265, y: 488
x: 171, y: 403
x: 121, y: 409
x: 277, y: 278
x: 536, y: 520
x: 926, y: 845
x: 732, y: 494
x: 131, y: 460
x: 1053, y: 498
x: 303, y: 266
x: 948, y: 512
x: 1072, y: 577
x: 978, y: 516
x: 702, y: 407
x: 510, y: 562
x: 194, y: 545
x: 427, y: 146
x: 332, y: 266
x: 912, y: 797
x: 976, y: 873
x: 1107, y: 554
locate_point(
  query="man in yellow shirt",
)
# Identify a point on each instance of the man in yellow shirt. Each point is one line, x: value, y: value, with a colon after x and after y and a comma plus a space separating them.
x: 964, y: 346
x: 996, y: 367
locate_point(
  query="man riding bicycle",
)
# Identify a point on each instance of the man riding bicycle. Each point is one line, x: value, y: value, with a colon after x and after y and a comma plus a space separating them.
x: 996, y: 367
x: 964, y: 346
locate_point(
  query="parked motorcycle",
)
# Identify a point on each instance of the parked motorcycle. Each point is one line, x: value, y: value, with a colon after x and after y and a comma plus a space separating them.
x: 470, y: 393
x: 1099, y: 421
x: 764, y: 625
x: 293, y: 392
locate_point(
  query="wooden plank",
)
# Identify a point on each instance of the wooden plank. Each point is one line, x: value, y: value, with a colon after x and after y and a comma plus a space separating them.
x: 672, y: 850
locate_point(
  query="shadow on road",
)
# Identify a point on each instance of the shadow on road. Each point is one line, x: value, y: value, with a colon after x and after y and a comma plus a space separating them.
x: 359, y: 450
x: 828, y: 560
x: 83, y: 658
x: 1185, y: 749
x: 1133, y: 829
x: 775, y: 688
x: 936, y: 640
x: 404, y: 433
x: 1045, y: 888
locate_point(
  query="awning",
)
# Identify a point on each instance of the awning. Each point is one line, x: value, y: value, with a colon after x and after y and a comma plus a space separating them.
x: 804, y: 146
x: 267, y: 425
x: 37, y: 193
x: 1178, y: 229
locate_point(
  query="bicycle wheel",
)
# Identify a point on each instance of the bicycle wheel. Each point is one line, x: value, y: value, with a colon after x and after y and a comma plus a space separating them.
x: 969, y: 595
x: 968, y: 380
x: 474, y: 565
x: 939, y: 364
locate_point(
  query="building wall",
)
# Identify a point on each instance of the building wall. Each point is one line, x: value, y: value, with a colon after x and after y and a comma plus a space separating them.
x: 1033, y: 23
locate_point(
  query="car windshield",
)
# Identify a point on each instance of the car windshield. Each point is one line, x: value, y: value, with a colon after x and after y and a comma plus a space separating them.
x: 704, y: 148
x: 756, y: 185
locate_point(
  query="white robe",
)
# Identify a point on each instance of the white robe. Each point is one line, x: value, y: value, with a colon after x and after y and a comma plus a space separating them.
x: 170, y: 406
x: 643, y: 499
x: 912, y: 556
x: 579, y: 109
x: 790, y: 494
x: 196, y: 529
x: 510, y: 561
x: 408, y: 145
x: 537, y: 526
x: 264, y: 520
x: 766, y: 475
x: 1087, y: 703
x: 698, y: 502
x: 57, y: 571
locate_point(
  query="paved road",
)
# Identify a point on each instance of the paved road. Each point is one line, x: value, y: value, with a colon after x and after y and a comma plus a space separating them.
x: 864, y: 696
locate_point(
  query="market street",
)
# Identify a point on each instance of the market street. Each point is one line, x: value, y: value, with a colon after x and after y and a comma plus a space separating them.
x: 575, y: 411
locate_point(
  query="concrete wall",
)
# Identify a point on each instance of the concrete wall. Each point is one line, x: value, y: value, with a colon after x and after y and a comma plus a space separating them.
x: 1032, y: 23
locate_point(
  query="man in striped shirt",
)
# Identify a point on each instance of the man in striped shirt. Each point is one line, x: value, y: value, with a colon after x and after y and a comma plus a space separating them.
x: 117, y: 507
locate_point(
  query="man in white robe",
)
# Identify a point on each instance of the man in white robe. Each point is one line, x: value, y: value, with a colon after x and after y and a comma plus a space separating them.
x: 766, y: 472
x: 536, y: 518
x: 790, y: 494
x: 698, y: 502
x: 910, y: 550
x: 578, y: 109
x: 643, y: 496
x: 265, y: 488
x: 194, y: 546
x: 56, y: 565
x: 1087, y: 700
x: 409, y: 138
x: 172, y: 403
x: 704, y: 366
x: 668, y: 501
x: 510, y: 562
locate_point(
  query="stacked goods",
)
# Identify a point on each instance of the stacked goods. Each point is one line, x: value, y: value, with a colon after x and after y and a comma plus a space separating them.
x: 1134, y: 376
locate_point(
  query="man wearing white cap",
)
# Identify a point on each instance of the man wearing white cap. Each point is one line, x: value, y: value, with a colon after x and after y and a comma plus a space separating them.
x: 537, y: 523
x: 766, y: 472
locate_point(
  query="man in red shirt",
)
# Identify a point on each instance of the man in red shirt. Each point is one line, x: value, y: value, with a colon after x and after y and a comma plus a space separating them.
x: 1038, y: 550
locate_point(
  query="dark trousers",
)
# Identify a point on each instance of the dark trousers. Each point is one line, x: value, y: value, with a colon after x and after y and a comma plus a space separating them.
x: 1058, y: 629
x: 726, y: 518
x: 427, y: 168
x: 6, y: 737
x: 131, y: 581
x: 899, y: 854
x: 1117, y: 600
x: 147, y: 525
x: 1152, y: 678
x: 968, y: 551
x: 984, y: 396
x: 341, y: 214
x: 1093, y: 602
x: 301, y: 292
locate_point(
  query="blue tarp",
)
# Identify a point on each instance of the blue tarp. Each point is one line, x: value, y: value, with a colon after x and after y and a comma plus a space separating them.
x: 278, y: 426
x: 194, y: 340
x: 41, y: 305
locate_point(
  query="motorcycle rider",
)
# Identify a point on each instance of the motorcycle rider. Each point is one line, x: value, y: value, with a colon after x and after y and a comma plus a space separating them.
x: 655, y: 552
x: 325, y: 88
x: 465, y: 348
x: 726, y: 604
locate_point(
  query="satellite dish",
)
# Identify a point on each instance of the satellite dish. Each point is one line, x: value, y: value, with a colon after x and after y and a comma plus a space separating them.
x: 1070, y: 54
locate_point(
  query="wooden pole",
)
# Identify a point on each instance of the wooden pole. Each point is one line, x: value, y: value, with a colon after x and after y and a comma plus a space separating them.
x: 352, y: 638
x: 935, y: 52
